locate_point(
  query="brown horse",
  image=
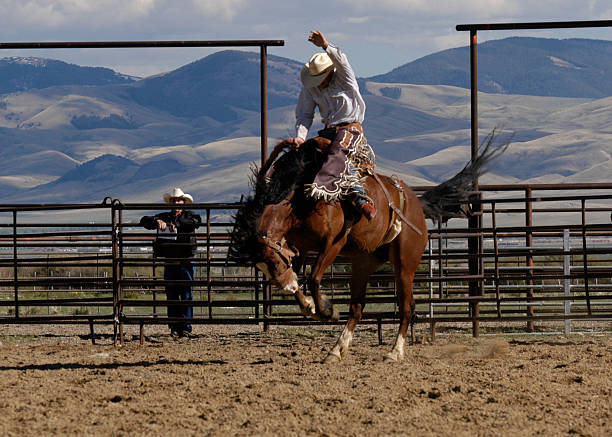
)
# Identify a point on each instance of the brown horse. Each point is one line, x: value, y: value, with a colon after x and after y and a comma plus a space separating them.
x: 279, y: 225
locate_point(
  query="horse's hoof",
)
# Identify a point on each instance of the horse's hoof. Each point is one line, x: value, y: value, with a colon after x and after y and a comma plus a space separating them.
x: 392, y: 357
x: 309, y: 309
x: 317, y: 317
x: 331, y: 314
x: 332, y: 359
x: 335, y: 314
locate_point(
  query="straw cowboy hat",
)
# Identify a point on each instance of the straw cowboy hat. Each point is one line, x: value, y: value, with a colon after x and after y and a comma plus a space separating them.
x: 315, y: 70
x: 177, y: 192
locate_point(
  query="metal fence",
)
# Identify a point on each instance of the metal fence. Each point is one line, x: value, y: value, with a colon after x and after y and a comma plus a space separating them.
x: 543, y: 256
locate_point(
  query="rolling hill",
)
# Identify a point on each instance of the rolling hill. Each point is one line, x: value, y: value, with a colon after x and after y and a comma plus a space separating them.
x: 22, y: 74
x: 518, y: 65
x: 198, y: 126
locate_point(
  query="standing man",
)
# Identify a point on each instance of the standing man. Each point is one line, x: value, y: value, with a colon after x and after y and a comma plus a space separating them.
x: 176, y: 240
x: 329, y: 83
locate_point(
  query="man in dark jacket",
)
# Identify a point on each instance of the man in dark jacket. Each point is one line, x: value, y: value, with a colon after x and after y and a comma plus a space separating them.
x: 176, y: 239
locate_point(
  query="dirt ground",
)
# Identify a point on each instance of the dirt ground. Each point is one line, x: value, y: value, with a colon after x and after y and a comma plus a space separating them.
x: 242, y: 381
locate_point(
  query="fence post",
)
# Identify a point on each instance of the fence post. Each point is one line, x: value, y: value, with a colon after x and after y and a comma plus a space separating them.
x: 267, y: 309
x: 119, y: 274
x: 496, y: 252
x: 115, y: 254
x: 529, y: 257
x: 15, y: 270
x: 208, y: 259
x: 475, y: 254
x: 474, y: 222
x: 431, y: 293
x: 566, y: 280
x: 440, y: 259
x: 585, y: 257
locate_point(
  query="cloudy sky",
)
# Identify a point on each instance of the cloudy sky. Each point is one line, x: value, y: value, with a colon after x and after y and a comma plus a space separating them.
x: 378, y: 35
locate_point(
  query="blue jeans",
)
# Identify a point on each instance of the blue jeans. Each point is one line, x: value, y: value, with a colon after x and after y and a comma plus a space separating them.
x: 358, y: 191
x: 184, y: 272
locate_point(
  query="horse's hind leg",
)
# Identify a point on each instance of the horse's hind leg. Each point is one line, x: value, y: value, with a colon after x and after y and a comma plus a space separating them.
x: 405, y: 262
x: 362, y: 268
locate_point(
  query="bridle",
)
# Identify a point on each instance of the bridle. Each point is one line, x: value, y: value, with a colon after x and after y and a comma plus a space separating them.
x: 278, y: 246
x: 285, y: 254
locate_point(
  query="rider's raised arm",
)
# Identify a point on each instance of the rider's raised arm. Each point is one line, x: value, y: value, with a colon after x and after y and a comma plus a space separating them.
x: 343, y: 69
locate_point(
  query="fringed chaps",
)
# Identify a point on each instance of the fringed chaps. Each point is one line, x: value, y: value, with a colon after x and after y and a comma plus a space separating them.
x: 349, y: 154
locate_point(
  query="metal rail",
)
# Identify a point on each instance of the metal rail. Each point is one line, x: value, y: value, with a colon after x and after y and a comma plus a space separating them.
x: 475, y: 268
x: 105, y: 274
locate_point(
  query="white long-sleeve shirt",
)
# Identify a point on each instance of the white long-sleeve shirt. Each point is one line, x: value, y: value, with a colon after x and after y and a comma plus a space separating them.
x: 339, y: 102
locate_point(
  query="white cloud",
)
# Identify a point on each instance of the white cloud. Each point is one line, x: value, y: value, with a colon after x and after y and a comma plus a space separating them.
x: 450, y: 40
x: 392, y: 32
x: 52, y: 14
x: 605, y: 14
x: 475, y: 8
x: 357, y: 20
x: 226, y: 9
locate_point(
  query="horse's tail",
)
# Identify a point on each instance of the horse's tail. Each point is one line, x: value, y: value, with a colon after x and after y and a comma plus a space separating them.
x: 449, y: 199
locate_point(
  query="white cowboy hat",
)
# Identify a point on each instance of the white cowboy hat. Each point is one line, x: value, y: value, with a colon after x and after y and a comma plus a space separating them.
x: 177, y: 192
x: 315, y: 70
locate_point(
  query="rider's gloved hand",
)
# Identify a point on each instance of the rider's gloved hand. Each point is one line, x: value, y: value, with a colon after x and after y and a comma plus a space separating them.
x: 297, y: 141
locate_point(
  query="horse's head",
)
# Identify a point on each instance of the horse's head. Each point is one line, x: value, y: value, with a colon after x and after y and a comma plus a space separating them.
x: 275, y: 263
x: 259, y: 226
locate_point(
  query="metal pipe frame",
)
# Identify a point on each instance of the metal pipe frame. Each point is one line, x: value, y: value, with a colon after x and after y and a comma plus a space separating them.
x: 513, y: 289
x: 473, y: 29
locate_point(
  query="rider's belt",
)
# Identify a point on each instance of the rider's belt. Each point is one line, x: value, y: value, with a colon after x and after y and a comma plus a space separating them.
x: 329, y: 126
x: 329, y: 131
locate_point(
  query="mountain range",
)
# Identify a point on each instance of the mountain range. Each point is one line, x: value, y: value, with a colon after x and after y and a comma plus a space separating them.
x: 517, y: 65
x: 79, y: 134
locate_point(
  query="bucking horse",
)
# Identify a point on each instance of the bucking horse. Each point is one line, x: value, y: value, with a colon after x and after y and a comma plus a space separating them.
x: 278, y: 225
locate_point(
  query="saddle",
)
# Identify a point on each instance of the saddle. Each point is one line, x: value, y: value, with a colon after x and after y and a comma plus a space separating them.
x: 363, y: 161
x: 362, y: 158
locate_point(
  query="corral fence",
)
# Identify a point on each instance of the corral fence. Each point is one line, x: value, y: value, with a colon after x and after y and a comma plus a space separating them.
x: 543, y: 264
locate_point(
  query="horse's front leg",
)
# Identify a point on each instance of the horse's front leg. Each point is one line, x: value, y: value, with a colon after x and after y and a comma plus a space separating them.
x: 306, y: 303
x: 325, y: 310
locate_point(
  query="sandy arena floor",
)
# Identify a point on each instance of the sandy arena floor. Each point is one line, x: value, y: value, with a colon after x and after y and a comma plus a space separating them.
x: 241, y: 381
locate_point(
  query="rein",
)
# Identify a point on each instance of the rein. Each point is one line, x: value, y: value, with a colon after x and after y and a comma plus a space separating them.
x: 285, y: 253
x: 392, y: 205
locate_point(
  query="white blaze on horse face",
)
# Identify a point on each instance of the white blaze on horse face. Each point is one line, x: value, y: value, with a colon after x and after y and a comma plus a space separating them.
x: 293, y: 286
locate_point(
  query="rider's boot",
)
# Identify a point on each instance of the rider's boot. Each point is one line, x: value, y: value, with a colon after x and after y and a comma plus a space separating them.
x: 363, y: 203
x: 368, y: 210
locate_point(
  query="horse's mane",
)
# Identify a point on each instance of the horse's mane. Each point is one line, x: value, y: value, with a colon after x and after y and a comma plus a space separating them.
x: 285, y: 170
